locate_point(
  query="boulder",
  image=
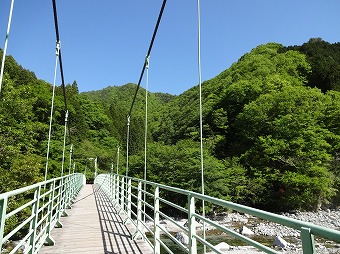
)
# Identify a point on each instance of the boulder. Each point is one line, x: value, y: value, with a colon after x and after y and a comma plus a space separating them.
x: 280, y: 242
x: 245, y: 231
x: 182, y: 238
x: 223, y: 246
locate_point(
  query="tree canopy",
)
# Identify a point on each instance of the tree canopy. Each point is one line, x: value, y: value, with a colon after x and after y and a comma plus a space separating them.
x: 271, y: 129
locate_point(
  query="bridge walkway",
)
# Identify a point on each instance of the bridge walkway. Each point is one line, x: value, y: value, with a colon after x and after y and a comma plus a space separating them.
x: 93, y: 226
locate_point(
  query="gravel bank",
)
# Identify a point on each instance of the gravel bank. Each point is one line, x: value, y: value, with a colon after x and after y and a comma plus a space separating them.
x: 325, y: 218
x: 269, y: 230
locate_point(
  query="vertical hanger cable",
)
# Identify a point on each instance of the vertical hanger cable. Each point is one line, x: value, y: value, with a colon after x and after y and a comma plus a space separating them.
x: 6, y: 42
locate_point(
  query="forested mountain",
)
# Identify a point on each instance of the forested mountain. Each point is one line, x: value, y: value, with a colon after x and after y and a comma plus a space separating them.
x: 271, y: 126
x: 116, y: 102
x: 324, y: 60
x: 268, y: 127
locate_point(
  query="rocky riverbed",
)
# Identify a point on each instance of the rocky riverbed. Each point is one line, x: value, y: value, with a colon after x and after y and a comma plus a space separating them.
x: 326, y: 218
x: 266, y: 232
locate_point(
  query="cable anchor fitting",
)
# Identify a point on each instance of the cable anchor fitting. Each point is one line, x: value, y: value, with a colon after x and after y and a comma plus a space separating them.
x: 66, y: 115
x: 128, y: 120
x: 57, y: 49
x: 147, y: 61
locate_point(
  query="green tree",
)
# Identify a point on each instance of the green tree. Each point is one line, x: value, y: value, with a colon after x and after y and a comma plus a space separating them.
x: 288, y: 142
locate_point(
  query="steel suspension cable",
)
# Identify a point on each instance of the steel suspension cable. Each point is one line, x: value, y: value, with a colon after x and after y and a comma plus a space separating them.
x: 6, y: 42
x: 60, y: 58
x: 52, y: 107
x: 146, y: 126
x: 148, y: 54
x: 117, y: 159
x: 139, y: 82
x: 127, y: 145
x: 70, y: 163
x: 56, y: 26
x: 64, y: 145
x: 201, y: 113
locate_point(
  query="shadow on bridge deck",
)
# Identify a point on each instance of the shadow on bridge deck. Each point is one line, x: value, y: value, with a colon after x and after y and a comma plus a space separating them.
x: 94, y: 226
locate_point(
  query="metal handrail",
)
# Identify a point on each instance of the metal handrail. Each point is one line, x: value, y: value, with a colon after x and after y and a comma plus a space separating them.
x: 46, y: 207
x: 118, y: 188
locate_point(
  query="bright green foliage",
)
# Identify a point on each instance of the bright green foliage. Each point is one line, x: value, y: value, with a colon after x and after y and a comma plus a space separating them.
x: 166, y: 164
x: 261, y: 111
x: 18, y: 133
x: 226, y: 181
x: 179, y: 166
x: 285, y: 136
x: 24, y: 171
x: 271, y: 139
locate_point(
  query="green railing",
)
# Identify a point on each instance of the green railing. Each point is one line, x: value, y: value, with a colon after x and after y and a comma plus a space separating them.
x: 131, y: 195
x: 30, y: 213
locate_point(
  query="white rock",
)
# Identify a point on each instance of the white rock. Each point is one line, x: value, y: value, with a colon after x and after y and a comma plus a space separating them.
x: 181, y: 237
x: 246, y: 231
x: 223, y: 246
x: 280, y: 242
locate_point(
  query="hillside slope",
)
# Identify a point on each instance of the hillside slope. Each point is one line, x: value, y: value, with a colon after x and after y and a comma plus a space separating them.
x: 271, y: 132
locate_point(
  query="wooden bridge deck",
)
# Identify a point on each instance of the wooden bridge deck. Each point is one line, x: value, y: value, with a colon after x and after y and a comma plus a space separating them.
x: 93, y: 226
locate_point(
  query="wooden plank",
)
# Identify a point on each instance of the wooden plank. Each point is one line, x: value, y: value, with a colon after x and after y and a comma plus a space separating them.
x: 93, y: 226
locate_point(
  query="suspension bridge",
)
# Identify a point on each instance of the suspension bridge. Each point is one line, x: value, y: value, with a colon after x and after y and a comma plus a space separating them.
x: 122, y: 214
x: 111, y: 216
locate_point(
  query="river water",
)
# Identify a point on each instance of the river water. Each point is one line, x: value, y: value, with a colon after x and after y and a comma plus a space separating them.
x: 265, y: 232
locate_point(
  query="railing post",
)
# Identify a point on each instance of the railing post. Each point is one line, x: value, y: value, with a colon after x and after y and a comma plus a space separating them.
x: 69, y: 192
x: 59, y: 202
x: 64, y: 196
x: 113, y: 189
x: 78, y: 184
x: 49, y: 239
x: 122, y: 195
x: 107, y: 185
x: 3, y: 206
x: 72, y: 189
x: 192, y: 225
x: 117, y: 191
x: 33, y: 223
x: 128, y: 203
x: 157, y: 247
x: 139, y: 212
x: 307, y: 239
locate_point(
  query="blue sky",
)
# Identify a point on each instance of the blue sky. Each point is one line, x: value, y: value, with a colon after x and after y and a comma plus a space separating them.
x: 104, y: 42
